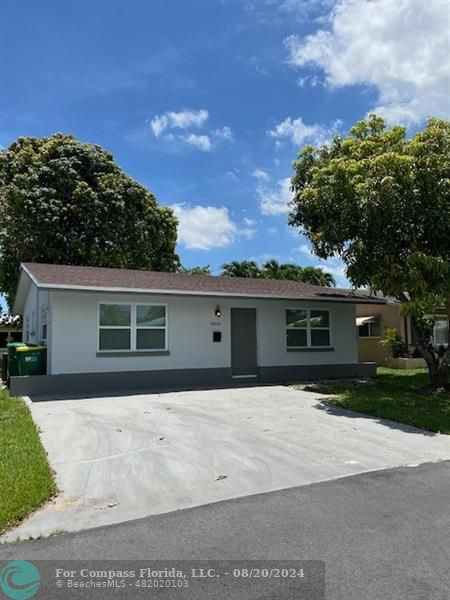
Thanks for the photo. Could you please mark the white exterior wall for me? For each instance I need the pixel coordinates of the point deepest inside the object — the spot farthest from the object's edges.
(191, 321)
(35, 302)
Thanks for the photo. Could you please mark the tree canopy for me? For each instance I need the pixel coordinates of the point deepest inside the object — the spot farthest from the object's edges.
(64, 201)
(381, 201)
(245, 268)
(205, 270)
(272, 269)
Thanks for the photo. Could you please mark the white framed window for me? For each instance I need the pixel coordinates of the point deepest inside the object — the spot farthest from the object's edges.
(44, 316)
(27, 328)
(370, 330)
(307, 328)
(440, 330)
(131, 327)
(151, 327)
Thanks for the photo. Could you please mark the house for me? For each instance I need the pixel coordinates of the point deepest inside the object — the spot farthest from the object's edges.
(371, 325)
(110, 329)
(10, 331)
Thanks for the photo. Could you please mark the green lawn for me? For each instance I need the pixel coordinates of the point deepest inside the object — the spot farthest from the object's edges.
(26, 480)
(397, 395)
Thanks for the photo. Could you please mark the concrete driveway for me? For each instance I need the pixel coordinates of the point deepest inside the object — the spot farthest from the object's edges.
(121, 458)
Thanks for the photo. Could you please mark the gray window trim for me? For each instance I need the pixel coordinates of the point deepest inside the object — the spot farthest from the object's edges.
(310, 349)
(122, 353)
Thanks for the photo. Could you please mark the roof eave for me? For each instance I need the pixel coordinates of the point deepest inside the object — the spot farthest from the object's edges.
(23, 286)
(125, 290)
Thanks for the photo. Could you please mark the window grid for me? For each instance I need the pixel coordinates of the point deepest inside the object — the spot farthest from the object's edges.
(370, 334)
(133, 327)
(440, 330)
(309, 328)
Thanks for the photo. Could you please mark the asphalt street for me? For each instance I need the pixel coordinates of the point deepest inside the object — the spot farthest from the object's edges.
(382, 536)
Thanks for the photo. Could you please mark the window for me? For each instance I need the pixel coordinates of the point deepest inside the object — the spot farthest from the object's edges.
(440, 331)
(150, 327)
(115, 327)
(371, 329)
(132, 327)
(307, 328)
(27, 328)
(44, 313)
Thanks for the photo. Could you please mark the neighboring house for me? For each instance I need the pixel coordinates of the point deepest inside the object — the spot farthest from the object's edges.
(118, 328)
(10, 331)
(372, 322)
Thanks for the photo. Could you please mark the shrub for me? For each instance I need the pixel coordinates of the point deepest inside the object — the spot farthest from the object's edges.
(395, 343)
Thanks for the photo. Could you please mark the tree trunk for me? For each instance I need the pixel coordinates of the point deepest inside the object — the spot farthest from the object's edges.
(435, 363)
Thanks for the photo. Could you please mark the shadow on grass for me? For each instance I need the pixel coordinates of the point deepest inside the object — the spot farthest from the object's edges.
(397, 399)
(325, 405)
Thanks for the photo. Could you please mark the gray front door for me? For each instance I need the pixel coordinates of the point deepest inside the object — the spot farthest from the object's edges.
(243, 342)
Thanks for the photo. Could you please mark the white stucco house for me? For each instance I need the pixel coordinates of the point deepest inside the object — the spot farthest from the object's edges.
(116, 329)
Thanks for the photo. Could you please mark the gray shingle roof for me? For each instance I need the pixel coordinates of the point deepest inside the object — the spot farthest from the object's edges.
(76, 277)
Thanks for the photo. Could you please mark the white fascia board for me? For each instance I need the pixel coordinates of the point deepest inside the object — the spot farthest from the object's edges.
(23, 285)
(165, 292)
(30, 275)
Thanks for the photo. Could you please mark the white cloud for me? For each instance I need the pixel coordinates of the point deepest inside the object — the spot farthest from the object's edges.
(401, 47)
(204, 227)
(308, 81)
(274, 200)
(299, 133)
(247, 232)
(185, 120)
(178, 120)
(260, 174)
(305, 250)
(337, 269)
(333, 265)
(256, 64)
(304, 9)
(224, 133)
(232, 175)
(202, 142)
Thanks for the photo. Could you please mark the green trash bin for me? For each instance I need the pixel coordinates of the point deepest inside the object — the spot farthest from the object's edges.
(31, 360)
(5, 366)
(13, 367)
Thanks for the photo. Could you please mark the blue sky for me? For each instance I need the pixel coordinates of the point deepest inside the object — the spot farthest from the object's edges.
(207, 102)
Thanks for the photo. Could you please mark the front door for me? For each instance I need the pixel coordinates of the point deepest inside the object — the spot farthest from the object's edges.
(243, 342)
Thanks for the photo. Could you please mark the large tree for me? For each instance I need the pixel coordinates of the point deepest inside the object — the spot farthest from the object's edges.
(64, 201)
(272, 269)
(381, 201)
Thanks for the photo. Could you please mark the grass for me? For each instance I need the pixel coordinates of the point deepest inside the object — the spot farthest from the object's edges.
(25, 475)
(398, 395)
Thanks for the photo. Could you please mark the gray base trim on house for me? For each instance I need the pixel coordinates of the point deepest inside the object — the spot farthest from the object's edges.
(116, 382)
(291, 374)
(122, 382)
